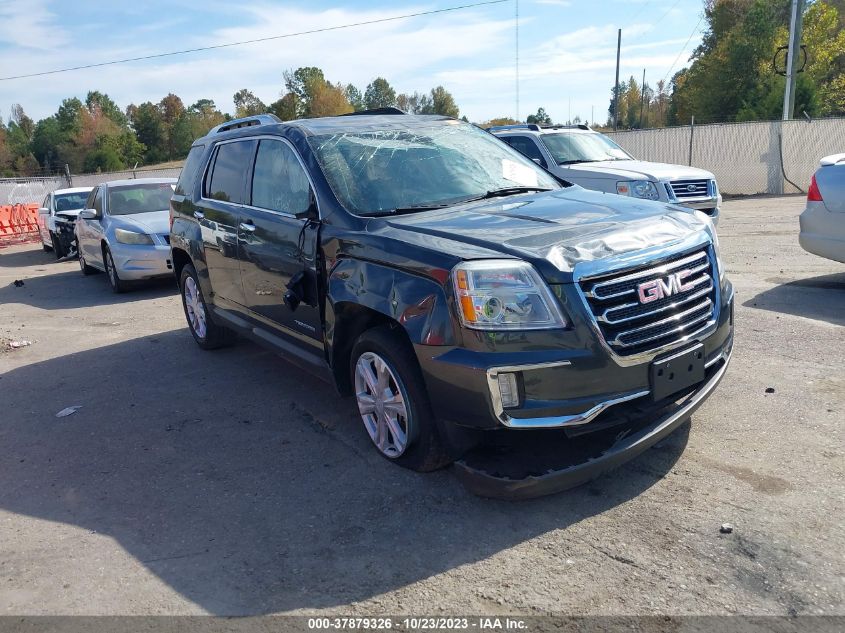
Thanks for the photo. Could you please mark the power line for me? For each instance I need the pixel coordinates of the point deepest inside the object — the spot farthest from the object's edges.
(680, 52)
(256, 41)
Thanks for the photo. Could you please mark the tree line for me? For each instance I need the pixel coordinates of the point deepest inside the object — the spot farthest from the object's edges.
(97, 135)
(733, 74)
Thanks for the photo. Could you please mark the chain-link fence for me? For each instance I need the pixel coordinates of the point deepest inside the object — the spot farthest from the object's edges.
(34, 190)
(747, 158)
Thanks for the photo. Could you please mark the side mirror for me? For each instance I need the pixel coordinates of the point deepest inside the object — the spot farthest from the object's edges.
(88, 214)
(43, 211)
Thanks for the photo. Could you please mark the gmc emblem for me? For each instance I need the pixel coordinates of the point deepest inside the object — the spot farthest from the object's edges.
(655, 289)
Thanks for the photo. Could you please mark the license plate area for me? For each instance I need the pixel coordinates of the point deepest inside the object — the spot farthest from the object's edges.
(677, 372)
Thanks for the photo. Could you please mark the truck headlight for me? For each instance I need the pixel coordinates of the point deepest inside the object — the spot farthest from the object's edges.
(638, 189)
(497, 294)
(131, 237)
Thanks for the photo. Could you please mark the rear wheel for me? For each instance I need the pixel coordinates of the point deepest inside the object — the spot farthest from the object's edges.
(85, 268)
(116, 283)
(206, 332)
(393, 402)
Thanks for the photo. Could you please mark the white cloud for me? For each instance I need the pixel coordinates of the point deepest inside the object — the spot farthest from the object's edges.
(30, 25)
(555, 3)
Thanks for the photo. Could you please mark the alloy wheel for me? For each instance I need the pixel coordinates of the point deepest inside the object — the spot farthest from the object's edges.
(194, 307)
(381, 403)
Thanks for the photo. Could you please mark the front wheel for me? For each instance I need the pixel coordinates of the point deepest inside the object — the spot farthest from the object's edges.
(206, 332)
(56, 245)
(116, 283)
(393, 402)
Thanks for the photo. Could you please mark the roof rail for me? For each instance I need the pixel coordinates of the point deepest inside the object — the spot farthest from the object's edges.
(574, 126)
(234, 124)
(387, 110)
(516, 126)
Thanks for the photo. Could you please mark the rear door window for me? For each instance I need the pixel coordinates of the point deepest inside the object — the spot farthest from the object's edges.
(227, 181)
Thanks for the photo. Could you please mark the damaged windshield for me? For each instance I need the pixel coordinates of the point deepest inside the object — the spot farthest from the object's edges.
(426, 166)
(579, 147)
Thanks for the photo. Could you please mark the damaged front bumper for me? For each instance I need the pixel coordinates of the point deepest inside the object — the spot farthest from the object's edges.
(541, 466)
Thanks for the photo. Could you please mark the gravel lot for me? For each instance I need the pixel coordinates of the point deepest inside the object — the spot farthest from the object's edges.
(232, 483)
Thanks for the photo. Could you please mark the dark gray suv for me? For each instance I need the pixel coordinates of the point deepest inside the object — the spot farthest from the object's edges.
(457, 290)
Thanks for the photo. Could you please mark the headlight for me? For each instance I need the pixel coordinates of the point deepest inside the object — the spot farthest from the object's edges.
(714, 237)
(504, 295)
(638, 189)
(131, 237)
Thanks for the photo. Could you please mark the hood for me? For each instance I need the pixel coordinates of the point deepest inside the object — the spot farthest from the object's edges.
(641, 170)
(154, 222)
(555, 231)
(68, 214)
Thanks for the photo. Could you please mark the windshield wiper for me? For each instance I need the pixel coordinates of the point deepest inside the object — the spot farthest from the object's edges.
(409, 209)
(509, 191)
(578, 160)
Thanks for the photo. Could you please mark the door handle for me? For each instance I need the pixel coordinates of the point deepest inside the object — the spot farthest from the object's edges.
(247, 226)
(199, 215)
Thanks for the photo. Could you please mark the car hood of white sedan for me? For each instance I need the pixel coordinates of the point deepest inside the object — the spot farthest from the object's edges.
(641, 170)
(154, 222)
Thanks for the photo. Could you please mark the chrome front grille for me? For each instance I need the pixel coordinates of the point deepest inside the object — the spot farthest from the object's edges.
(680, 300)
(690, 189)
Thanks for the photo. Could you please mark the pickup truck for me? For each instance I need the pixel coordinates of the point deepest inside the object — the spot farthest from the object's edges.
(450, 285)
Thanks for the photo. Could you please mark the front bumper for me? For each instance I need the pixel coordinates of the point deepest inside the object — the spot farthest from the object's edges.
(505, 475)
(134, 262)
(560, 387)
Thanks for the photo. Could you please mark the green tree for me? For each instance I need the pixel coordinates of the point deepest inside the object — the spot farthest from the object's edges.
(355, 98)
(541, 118)
(442, 102)
(287, 108)
(103, 159)
(379, 94)
(98, 100)
(149, 129)
(247, 104)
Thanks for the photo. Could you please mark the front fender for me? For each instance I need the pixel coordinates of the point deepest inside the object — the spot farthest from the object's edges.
(417, 303)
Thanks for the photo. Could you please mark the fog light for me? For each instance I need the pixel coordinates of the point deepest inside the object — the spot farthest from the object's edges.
(508, 390)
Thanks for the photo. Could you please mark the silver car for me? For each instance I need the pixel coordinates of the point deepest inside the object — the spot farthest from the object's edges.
(125, 230)
(823, 221)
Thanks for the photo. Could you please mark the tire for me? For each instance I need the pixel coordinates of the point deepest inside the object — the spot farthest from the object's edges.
(85, 268)
(208, 334)
(117, 285)
(56, 246)
(423, 448)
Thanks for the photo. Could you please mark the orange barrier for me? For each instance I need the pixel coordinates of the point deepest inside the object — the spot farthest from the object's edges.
(18, 223)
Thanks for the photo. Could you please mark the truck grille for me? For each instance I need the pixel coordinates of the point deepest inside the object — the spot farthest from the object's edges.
(690, 189)
(676, 307)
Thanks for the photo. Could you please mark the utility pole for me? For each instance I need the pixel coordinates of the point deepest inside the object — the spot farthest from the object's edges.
(642, 99)
(795, 26)
(616, 89)
(516, 30)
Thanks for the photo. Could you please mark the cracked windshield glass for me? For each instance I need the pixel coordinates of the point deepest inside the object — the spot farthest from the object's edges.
(405, 169)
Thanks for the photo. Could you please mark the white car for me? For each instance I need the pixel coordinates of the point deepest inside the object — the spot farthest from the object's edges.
(56, 217)
(823, 220)
(588, 158)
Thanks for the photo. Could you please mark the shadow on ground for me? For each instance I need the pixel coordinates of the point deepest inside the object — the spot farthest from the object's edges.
(249, 487)
(819, 298)
(64, 286)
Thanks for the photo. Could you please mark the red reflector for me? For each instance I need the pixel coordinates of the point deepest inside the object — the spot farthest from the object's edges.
(813, 193)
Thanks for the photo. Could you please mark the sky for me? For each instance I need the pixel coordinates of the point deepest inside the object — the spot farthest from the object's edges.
(567, 50)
